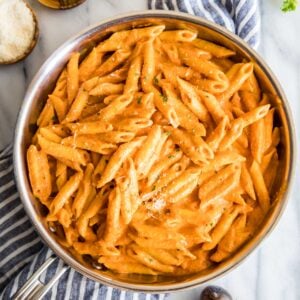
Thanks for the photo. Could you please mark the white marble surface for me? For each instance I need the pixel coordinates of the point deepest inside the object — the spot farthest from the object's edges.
(273, 271)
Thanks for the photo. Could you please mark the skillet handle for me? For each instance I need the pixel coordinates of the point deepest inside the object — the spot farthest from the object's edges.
(34, 289)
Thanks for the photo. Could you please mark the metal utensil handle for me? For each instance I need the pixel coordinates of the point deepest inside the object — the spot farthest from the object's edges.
(34, 289)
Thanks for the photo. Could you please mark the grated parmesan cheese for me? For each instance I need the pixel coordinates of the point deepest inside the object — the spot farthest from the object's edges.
(17, 29)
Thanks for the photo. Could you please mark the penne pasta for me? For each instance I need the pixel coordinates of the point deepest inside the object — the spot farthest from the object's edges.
(178, 36)
(72, 77)
(65, 193)
(39, 174)
(115, 162)
(62, 151)
(260, 186)
(77, 107)
(214, 49)
(159, 153)
(116, 59)
(220, 184)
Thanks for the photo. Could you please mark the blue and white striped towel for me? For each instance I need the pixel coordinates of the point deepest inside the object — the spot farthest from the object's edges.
(22, 251)
(241, 17)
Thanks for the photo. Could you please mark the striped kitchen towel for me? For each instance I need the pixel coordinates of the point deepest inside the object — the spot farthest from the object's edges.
(241, 17)
(21, 250)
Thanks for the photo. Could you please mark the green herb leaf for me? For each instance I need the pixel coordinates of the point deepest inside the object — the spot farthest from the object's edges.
(164, 98)
(154, 187)
(155, 80)
(139, 100)
(289, 5)
(171, 156)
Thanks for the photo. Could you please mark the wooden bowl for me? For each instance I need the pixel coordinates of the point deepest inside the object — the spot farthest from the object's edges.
(33, 42)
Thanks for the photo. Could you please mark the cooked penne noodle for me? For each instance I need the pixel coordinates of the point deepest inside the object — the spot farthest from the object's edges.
(233, 134)
(255, 115)
(218, 134)
(72, 77)
(268, 125)
(275, 137)
(184, 191)
(89, 127)
(169, 175)
(62, 151)
(271, 173)
(105, 89)
(184, 178)
(48, 134)
(84, 191)
(192, 100)
(208, 85)
(147, 150)
(166, 109)
(72, 165)
(260, 186)
(115, 107)
(213, 106)
(116, 59)
(132, 124)
(89, 65)
(39, 173)
(148, 70)
(133, 76)
(223, 158)
(112, 229)
(61, 174)
(188, 50)
(129, 37)
(155, 155)
(197, 153)
(47, 115)
(178, 36)
(60, 107)
(116, 137)
(170, 72)
(251, 85)
(91, 110)
(60, 89)
(172, 52)
(89, 142)
(77, 107)
(115, 162)
(207, 68)
(93, 208)
(214, 49)
(163, 165)
(249, 100)
(224, 63)
(234, 238)
(65, 193)
(220, 184)
(185, 117)
(222, 228)
(257, 140)
(246, 181)
(237, 75)
(149, 261)
(266, 159)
